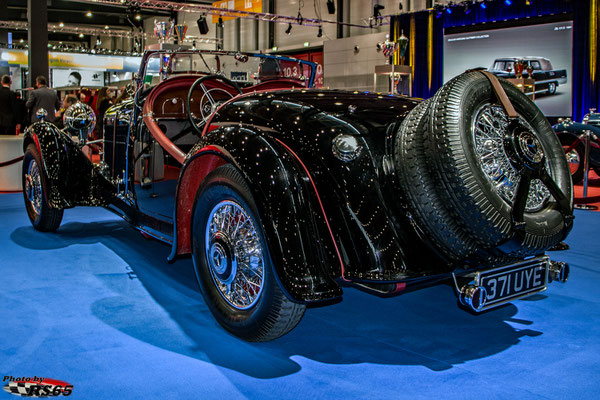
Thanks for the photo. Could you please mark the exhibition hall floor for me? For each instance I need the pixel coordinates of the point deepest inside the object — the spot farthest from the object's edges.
(98, 306)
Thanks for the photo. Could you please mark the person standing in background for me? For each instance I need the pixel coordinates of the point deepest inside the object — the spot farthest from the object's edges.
(9, 108)
(43, 97)
(102, 103)
(68, 101)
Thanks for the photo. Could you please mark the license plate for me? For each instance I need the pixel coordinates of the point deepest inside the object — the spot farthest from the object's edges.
(514, 281)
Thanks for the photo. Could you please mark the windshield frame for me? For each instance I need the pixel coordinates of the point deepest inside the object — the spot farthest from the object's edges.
(153, 53)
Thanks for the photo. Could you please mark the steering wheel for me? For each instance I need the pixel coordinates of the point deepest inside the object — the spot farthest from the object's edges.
(210, 100)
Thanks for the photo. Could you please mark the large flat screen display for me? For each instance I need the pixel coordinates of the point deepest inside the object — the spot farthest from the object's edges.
(544, 49)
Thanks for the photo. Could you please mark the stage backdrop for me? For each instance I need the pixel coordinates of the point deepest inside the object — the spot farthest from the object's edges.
(425, 30)
(552, 41)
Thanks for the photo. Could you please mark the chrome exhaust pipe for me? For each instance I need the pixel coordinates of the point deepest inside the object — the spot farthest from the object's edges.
(473, 297)
(558, 271)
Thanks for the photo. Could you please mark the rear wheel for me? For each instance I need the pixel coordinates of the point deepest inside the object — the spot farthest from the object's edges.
(232, 262)
(35, 192)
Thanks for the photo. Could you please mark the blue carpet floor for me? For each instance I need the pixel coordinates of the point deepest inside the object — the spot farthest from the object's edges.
(98, 306)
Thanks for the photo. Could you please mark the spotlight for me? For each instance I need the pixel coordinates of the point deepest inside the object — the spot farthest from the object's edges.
(483, 5)
(106, 27)
(330, 7)
(508, 2)
(527, 2)
(449, 10)
(202, 24)
(138, 17)
(88, 14)
(377, 10)
(81, 35)
(289, 29)
(62, 24)
(320, 34)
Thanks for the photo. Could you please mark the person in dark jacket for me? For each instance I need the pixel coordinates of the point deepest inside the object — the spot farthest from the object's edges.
(9, 108)
(43, 97)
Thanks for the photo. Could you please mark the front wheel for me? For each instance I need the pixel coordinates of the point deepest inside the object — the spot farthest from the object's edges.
(232, 262)
(551, 88)
(35, 192)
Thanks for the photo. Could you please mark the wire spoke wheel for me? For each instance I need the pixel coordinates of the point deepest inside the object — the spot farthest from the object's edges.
(33, 187)
(234, 254)
(489, 132)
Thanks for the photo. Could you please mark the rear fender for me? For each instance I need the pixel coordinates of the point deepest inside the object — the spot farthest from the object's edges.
(300, 244)
(73, 179)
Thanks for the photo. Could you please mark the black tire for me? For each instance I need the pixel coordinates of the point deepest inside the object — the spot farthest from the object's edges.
(552, 88)
(43, 217)
(465, 188)
(272, 314)
(414, 176)
(575, 158)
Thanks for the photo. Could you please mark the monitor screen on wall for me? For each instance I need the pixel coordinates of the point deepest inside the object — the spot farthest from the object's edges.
(545, 48)
(76, 77)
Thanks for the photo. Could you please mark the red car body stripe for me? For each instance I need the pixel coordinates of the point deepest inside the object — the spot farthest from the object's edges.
(343, 270)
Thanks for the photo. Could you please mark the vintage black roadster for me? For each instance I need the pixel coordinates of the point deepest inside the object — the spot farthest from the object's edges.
(284, 194)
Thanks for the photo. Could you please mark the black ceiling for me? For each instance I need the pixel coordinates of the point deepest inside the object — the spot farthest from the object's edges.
(74, 13)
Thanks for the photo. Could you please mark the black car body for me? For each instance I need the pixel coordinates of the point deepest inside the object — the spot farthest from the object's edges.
(285, 194)
(573, 136)
(547, 79)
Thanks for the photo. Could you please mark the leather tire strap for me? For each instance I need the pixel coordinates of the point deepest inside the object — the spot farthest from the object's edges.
(501, 94)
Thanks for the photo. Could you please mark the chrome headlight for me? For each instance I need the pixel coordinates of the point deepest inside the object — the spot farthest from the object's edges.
(80, 119)
(346, 147)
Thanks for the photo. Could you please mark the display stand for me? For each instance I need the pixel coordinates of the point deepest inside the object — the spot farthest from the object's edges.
(391, 71)
(526, 85)
(586, 171)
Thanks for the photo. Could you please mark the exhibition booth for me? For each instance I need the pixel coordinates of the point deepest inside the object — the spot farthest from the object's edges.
(408, 212)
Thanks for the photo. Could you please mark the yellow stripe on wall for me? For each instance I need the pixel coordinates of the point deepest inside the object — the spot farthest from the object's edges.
(412, 45)
(593, 39)
(430, 48)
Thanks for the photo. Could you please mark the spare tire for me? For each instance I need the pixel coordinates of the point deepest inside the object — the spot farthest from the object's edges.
(438, 225)
(478, 158)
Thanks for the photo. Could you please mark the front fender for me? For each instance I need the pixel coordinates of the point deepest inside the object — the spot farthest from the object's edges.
(72, 178)
(301, 246)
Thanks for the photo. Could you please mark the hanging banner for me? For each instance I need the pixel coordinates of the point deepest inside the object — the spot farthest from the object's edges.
(242, 5)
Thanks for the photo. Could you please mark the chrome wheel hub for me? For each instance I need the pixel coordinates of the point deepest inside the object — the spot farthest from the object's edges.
(33, 187)
(573, 160)
(504, 148)
(234, 254)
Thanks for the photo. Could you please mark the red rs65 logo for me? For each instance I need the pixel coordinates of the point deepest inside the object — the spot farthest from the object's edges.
(36, 387)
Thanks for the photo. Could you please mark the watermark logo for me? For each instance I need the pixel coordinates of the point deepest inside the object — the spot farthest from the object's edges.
(36, 386)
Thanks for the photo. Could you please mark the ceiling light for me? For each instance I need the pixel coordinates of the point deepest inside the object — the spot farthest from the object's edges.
(289, 29)
(138, 16)
(62, 24)
(88, 14)
(21, 41)
(107, 27)
(483, 5)
(508, 2)
(81, 35)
